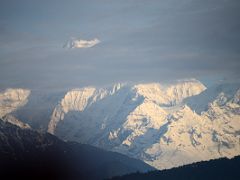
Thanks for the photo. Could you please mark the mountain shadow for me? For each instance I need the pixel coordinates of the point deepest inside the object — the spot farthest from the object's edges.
(27, 154)
(221, 169)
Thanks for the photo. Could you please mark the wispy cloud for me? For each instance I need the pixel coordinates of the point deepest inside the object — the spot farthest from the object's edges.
(80, 43)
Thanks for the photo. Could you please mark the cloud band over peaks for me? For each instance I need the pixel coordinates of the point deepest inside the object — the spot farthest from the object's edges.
(80, 43)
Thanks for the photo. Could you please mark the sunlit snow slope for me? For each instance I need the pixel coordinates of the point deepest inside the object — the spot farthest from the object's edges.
(12, 99)
(157, 123)
(165, 125)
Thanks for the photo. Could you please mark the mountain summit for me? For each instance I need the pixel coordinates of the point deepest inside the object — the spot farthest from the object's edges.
(165, 125)
(80, 43)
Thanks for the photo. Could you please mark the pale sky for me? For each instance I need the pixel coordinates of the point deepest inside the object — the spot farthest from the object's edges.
(64, 44)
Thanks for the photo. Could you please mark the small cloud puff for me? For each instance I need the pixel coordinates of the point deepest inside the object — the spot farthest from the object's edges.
(79, 43)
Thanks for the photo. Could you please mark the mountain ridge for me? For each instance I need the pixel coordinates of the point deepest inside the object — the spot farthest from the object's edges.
(157, 123)
(224, 169)
(25, 153)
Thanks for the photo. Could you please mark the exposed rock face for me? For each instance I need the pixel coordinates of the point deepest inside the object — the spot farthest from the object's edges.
(11, 119)
(11, 99)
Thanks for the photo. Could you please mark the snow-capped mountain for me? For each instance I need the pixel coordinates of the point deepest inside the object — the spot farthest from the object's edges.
(12, 99)
(165, 125)
(80, 43)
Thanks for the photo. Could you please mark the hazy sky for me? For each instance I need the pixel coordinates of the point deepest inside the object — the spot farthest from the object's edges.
(126, 40)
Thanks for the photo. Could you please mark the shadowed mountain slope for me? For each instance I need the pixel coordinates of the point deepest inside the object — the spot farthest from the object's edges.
(221, 169)
(25, 153)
